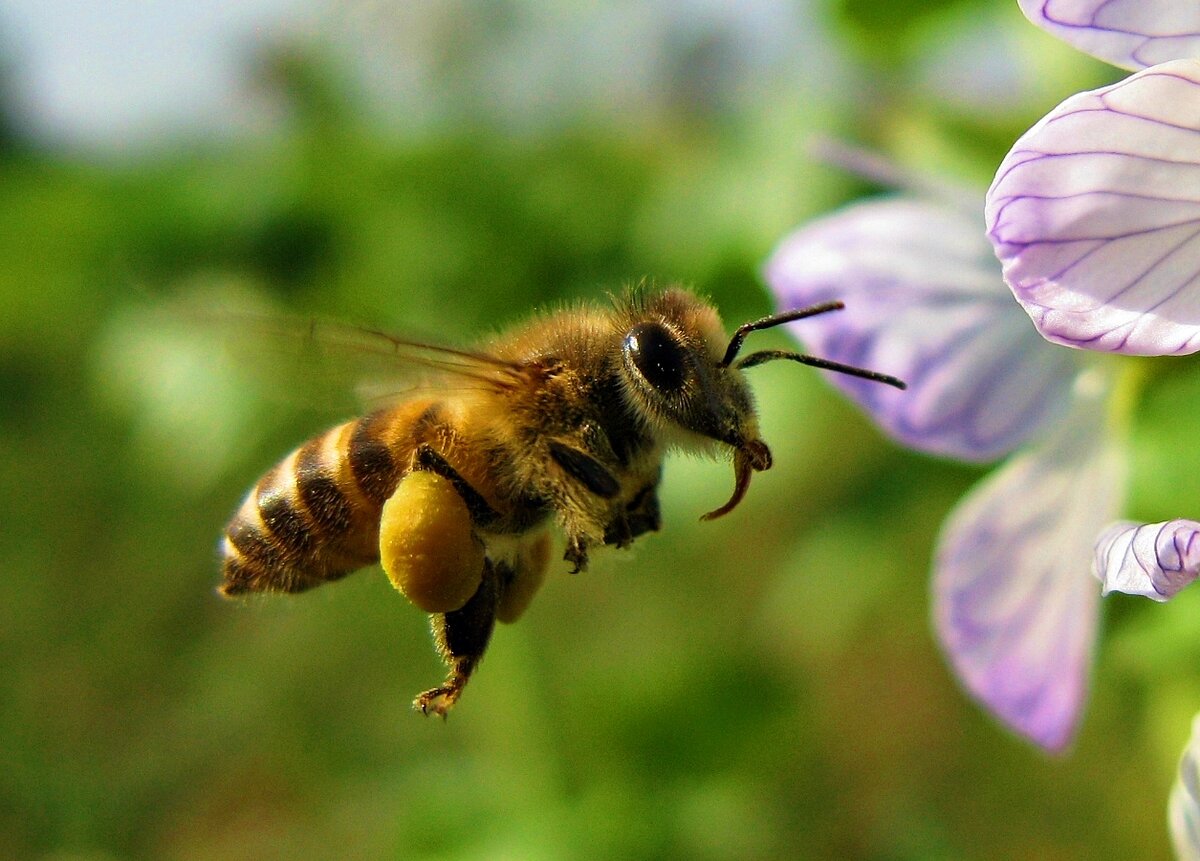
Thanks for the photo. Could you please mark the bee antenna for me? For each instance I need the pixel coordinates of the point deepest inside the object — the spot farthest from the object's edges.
(850, 370)
(735, 343)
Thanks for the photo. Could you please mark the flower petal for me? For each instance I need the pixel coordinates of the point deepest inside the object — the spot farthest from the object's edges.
(1014, 606)
(1132, 34)
(924, 302)
(1095, 214)
(1154, 560)
(1183, 808)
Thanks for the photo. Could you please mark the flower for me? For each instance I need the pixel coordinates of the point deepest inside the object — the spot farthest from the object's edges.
(926, 303)
(1095, 216)
(1014, 603)
(1015, 607)
(1132, 34)
(1154, 560)
(1094, 213)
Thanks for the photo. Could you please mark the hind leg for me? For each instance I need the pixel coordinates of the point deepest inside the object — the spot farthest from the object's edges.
(428, 548)
(461, 637)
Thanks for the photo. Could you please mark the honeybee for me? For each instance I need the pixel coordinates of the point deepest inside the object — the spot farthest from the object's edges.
(562, 421)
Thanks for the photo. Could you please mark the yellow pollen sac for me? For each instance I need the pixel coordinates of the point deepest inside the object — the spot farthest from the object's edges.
(426, 546)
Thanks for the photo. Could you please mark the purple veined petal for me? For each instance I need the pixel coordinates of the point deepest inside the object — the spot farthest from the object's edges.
(1015, 606)
(1154, 560)
(925, 302)
(1132, 34)
(1095, 216)
(1183, 808)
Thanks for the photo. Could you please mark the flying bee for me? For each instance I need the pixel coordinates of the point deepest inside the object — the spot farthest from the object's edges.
(561, 421)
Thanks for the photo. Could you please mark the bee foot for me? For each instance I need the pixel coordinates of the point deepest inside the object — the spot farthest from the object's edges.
(577, 555)
(438, 701)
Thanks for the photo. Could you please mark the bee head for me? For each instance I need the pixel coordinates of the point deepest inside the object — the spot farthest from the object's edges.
(683, 374)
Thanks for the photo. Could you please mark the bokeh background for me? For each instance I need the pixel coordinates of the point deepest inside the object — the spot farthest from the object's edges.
(764, 686)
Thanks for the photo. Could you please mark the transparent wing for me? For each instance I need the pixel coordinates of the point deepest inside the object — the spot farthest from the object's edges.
(327, 363)
(379, 364)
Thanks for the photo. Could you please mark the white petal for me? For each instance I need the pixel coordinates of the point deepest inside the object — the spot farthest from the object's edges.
(1154, 560)
(1132, 34)
(1095, 215)
(925, 301)
(1183, 808)
(1015, 607)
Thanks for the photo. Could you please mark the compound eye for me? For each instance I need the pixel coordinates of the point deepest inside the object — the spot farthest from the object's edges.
(656, 356)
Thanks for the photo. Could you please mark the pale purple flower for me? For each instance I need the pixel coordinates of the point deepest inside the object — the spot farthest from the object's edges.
(1154, 560)
(1183, 809)
(1015, 606)
(1095, 212)
(1095, 215)
(1132, 34)
(925, 303)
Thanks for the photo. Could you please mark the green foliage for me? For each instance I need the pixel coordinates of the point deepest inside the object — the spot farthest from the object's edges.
(764, 686)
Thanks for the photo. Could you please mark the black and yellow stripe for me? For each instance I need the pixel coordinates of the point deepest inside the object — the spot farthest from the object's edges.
(315, 516)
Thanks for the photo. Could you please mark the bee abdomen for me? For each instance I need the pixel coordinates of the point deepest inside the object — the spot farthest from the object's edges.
(315, 516)
(369, 455)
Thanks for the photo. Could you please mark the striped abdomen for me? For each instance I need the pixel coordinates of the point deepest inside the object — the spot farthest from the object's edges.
(315, 516)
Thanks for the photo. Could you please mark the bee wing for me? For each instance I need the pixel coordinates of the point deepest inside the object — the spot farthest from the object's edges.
(322, 361)
(386, 366)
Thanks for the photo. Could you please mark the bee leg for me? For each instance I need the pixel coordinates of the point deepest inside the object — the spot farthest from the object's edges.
(640, 515)
(585, 469)
(619, 531)
(461, 637)
(643, 512)
(593, 476)
(482, 514)
(576, 553)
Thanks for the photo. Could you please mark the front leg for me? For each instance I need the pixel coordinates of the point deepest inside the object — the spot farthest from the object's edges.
(576, 553)
(600, 484)
(639, 516)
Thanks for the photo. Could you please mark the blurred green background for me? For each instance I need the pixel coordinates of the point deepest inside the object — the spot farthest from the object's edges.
(764, 686)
